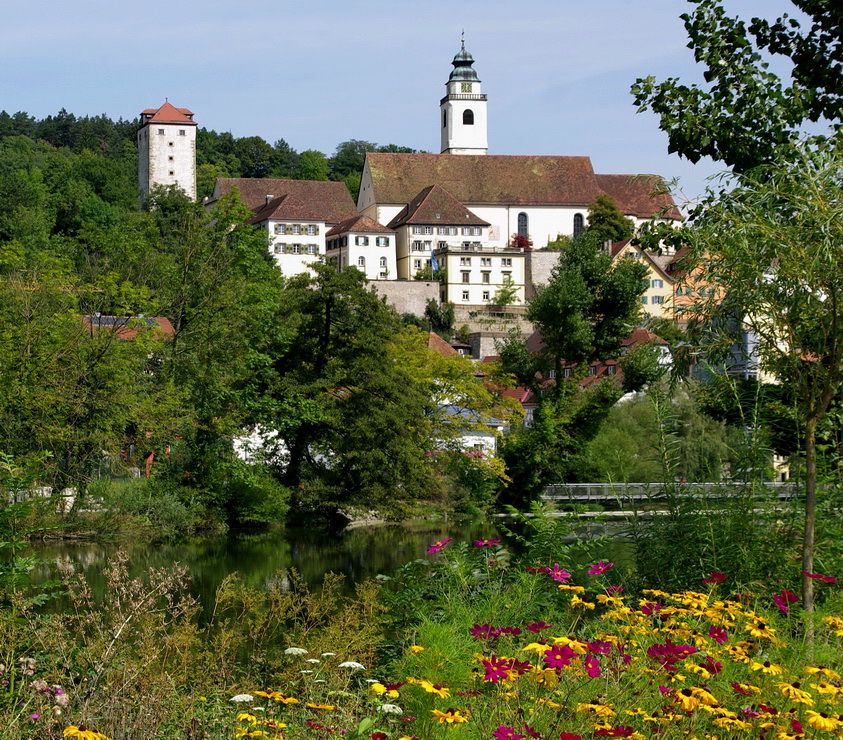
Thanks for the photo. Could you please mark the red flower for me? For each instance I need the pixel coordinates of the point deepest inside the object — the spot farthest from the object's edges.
(784, 599)
(718, 634)
(538, 626)
(818, 577)
(559, 656)
(618, 731)
(507, 733)
(569, 736)
(715, 577)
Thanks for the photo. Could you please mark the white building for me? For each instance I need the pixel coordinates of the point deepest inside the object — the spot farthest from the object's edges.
(463, 110)
(167, 149)
(365, 244)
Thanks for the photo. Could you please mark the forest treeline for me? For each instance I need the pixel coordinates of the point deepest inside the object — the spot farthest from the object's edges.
(217, 154)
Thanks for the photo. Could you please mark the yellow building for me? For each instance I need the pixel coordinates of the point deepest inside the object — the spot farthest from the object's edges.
(657, 299)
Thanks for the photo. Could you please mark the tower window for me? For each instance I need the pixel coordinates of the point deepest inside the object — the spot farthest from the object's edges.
(523, 224)
(578, 224)
(160, 131)
(361, 262)
(181, 132)
(444, 119)
(468, 117)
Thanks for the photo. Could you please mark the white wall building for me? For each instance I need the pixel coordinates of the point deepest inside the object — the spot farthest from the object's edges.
(463, 110)
(365, 244)
(167, 149)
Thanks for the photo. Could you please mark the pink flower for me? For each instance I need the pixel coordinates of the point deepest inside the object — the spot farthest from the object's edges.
(784, 599)
(818, 577)
(569, 736)
(612, 590)
(531, 731)
(538, 626)
(592, 666)
(533, 569)
(715, 577)
(718, 634)
(486, 543)
(648, 608)
(617, 731)
(559, 574)
(559, 656)
(507, 733)
(599, 568)
(485, 632)
(438, 545)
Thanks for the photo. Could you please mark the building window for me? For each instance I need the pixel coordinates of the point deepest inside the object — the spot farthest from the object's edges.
(361, 241)
(417, 229)
(612, 369)
(443, 245)
(644, 300)
(476, 231)
(485, 262)
(657, 283)
(160, 131)
(296, 229)
(465, 260)
(466, 231)
(442, 230)
(311, 229)
(296, 248)
(465, 295)
(169, 143)
(311, 249)
(172, 172)
(468, 117)
(428, 246)
(428, 229)
(506, 275)
(279, 229)
(382, 276)
(592, 370)
(361, 262)
(551, 374)
(280, 249)
(417, 264)
(566, 373)
(506, 261)
(171, 159)
(383, 262)
(466, 276)
(444, 119)
(485, 295)
(486, 278)
(417, 246)
(454, 231)
(579, 224)
(381, 241)
(181, 132)
(657, 300)
(523, 224)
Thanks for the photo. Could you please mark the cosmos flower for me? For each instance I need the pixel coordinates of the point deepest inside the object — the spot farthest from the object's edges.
(819, 577)
(507, 733)
(784, 599)
(438, 545)
(486, 543)
(599, 568)
(715, 577)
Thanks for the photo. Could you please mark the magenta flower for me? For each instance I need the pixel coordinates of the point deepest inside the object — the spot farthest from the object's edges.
(599, 568)
(498, 669)
(617, 731)
(559, 656)
(514, 631)
(34, 716)
(507, 733)
(784, 599)
(534, 569)
(378, 736)
(485, 632)
(711, 665)
(648, 608)
(612, 590)
(559, 574)
(715, 577)
(664, 689)
(538, 626)
(668, 654)
(438, 545)
(486, 543)
(569, 736)
(531, 731)
(718, 634)
(740, 689)
(592, 666)
(818, 577)
(598, 646)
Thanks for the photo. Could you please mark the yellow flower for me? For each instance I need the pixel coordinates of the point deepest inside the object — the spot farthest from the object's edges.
(83, 733)
(577, 601)
(728, 722)
(634, 735)
(601, 710)
(277, 696)
(246, 717)
(452, 716)
(795, 692)
(379, 688)
(761, 629)
(578, 647)
(706, 697)
(613, 600)
(244, 732)
(827, 672)
(415, 648)
(537, 647)
(766, 667)
(687, 700)
(821, 721)
(315, 705)
(826, 688)
(438, 689)
(836, 623)
(575, 589)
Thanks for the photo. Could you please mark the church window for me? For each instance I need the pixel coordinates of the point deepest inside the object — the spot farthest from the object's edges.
(468, 117)
(383, 261)
(523, 224)
(361, 262)
(579, 224)
(444, 119)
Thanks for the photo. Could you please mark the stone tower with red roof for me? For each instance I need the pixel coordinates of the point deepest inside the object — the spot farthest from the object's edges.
(167, 149)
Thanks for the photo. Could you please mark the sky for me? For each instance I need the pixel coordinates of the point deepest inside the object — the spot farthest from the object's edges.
(318, 72)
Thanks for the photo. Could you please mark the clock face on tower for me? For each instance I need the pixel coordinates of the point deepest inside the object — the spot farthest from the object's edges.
(466, 87)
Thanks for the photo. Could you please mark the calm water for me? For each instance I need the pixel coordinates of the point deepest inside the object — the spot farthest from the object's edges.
(357, 553)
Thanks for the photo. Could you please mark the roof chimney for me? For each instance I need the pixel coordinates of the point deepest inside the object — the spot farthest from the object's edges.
(268, 198)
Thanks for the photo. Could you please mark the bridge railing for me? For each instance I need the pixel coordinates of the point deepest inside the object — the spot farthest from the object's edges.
(603, 493)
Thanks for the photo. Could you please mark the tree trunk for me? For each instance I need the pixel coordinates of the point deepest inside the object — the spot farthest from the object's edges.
(810, 513)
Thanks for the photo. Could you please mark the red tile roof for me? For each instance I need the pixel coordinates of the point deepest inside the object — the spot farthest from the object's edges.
(168, 113)
(332, 199)
(435, 205)
(362, 224)
(287, 208)
(437, 344)
(642, 196)
(128, 327)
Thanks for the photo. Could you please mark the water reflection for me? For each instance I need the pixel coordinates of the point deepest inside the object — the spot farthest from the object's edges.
(358, 553)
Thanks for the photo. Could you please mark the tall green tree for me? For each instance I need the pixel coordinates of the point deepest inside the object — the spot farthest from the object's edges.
(606, 222)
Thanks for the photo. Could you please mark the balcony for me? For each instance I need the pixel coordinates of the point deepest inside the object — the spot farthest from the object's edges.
(456, 96)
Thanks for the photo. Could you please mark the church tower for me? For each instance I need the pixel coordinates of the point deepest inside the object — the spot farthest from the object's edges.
(463, 110)
(167, 149)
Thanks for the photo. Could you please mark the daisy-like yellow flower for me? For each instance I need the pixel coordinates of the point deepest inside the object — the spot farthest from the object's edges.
(761, 629)
(821, 721)
(686, 699)
(451, 716)
(536, 647)
(83, 733)
(577, 601)
(316, 705)
(613, 600)
(580, 648)
(836, 623)
(601, 710)
(575, 589)
(748, 687)
(441, 691)
(795, 692)
(246, 732)
(730, 723)
(705, 696)
(829, 689)
(543, 676)
(766, 667)
(246, 717)
(827, 672)
(277, 696)
(415, 648)
(379, 688)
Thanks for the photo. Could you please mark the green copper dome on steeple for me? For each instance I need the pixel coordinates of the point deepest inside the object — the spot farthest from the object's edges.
(463, 71)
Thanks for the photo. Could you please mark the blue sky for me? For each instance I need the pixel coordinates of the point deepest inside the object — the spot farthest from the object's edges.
(318, 72)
